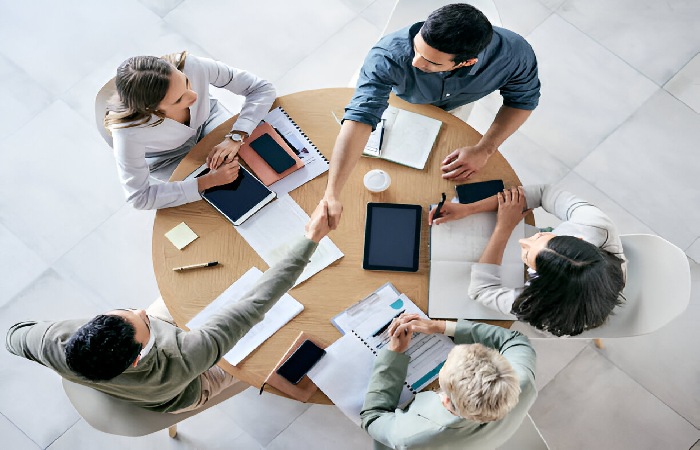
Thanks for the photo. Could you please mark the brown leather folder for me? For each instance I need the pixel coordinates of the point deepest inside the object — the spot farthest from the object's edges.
(301, 391)
(262, 169)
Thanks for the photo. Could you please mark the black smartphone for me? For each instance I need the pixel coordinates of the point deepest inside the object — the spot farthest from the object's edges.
(473, 192)
(301, 361)
(272, 153)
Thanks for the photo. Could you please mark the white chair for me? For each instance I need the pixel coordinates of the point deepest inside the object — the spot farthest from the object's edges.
(657, 290)
(103, 95)
(528, 437)
(113, 416)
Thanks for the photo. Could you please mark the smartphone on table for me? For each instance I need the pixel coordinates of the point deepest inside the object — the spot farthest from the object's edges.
(300, 362)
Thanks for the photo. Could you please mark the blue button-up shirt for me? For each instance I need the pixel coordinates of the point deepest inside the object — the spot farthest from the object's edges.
(508, 63)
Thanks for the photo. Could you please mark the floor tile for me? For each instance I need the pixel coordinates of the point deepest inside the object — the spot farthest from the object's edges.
(26, 384)
(586, 94)
(73, 37)
(650, 164)
(337, 432)
(655, 359)
(357, 5)
(694, 251)
(326, 66)
(18, 264)
(12, 437)
(378, 13)
(210, 429)
(552, 4)
(290, 33)
(593, 404)
(262, 416)
(636, 29)
(696, 446)
(22, 98)
(685, 85)
(161, 7)
(553, 355)
(532, 163)
(73, 186)
(522, 16)
(123, 278)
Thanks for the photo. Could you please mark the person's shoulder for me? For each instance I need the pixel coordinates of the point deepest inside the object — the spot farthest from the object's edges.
(396, 45)
(513, 41)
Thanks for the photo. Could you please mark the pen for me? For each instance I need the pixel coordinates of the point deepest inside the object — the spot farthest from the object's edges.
(439, 206)
(381, 139)
(196, 266)
(385, 326)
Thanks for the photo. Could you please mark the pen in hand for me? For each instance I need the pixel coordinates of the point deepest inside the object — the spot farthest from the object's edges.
(196, 266)
(439, 206)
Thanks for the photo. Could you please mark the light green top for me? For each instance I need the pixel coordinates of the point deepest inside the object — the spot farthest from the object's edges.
(167, 379)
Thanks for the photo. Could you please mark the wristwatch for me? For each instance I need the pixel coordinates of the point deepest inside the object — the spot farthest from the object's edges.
(237, 136)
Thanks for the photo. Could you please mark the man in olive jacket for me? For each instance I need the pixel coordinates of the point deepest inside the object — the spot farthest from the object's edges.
(150, 362)
(487, 386)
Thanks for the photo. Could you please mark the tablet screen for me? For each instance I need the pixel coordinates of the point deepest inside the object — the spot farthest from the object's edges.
(392, 237)
(240, 198)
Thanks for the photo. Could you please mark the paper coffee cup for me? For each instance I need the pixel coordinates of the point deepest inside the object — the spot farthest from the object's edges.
(377, 180)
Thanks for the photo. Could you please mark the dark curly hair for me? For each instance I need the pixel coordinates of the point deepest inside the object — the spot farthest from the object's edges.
(102, 348)
(458, 29)
(576, 288)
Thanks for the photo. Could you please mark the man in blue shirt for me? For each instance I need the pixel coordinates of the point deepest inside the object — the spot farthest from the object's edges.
(453, 58)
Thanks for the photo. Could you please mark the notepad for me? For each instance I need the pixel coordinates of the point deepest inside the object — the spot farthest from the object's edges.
(279, 315)
(408, 137)
(181, 235)
(454, 248)
(344, 373)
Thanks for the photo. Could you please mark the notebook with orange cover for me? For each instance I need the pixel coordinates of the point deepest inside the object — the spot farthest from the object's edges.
(301, 391)
(257, 164)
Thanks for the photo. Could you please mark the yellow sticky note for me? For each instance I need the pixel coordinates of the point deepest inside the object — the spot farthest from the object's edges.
(181, 235)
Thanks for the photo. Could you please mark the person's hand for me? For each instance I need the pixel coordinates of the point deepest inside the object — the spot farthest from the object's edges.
(449, 211)
(425, 326)
(335, 209)
(318, 226)
(224, 174)
(512, 208)
(400, 334)
(223, 152)
(465, 162)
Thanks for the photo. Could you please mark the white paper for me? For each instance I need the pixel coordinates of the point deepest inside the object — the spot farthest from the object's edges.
(274, 229)
(454, 248)
(363, 310)
(314, 163)
(284, 310)
(344, 374)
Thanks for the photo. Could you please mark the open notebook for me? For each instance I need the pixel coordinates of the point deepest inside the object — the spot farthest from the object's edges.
(454, 248)
(407, 137)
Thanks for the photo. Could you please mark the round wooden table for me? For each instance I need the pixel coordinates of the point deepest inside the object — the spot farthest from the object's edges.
(343, 283)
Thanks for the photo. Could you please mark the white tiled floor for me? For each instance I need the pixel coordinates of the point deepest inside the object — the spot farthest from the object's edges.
(618, 123)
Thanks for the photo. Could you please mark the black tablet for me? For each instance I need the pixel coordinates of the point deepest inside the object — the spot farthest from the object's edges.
(392, 237)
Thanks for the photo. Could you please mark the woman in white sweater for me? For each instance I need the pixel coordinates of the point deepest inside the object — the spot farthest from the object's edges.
(577, 271)
(162, 108)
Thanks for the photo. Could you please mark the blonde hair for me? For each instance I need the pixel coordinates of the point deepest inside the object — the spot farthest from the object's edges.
(142, 82)
(480, 383)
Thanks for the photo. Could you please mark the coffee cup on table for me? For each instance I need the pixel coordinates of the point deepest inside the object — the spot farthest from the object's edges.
(377, 180)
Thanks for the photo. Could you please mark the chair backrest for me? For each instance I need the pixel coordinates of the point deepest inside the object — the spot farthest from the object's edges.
(111, 415)
(103, 95)
(657, 290)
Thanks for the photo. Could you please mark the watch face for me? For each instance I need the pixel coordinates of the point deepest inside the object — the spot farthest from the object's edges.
(236, 137)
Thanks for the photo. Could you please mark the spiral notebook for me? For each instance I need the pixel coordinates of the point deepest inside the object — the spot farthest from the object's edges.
(344, 373)
(314, 162)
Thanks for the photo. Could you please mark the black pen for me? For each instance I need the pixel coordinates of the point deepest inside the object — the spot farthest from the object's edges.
(381, 139)
(439, 206)
(385, 326)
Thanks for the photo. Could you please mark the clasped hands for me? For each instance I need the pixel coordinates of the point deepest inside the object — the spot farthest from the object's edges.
(223, 162)
(402, 328)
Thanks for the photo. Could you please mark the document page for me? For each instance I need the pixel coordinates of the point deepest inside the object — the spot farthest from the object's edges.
(408, 137)
(284, 310)
(274, 229)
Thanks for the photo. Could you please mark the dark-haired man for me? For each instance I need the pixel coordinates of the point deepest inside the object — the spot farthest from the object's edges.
(150, 362)
(452, 59)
